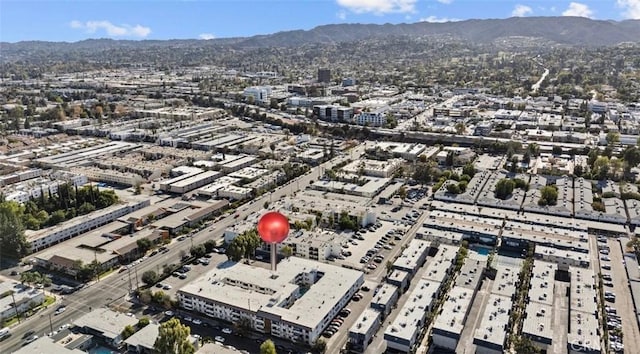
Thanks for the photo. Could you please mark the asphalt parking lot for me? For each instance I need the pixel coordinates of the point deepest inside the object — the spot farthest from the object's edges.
(370, 237)
(623, 302)
(196, 270)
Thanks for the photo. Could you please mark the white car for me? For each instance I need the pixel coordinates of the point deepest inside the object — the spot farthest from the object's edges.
(31, 339)
(219, 339)
(197, 321)
(168, 313)
(188, 319)
(227, 331)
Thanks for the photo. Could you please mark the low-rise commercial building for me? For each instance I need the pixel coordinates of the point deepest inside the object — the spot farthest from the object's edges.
(105, 324)
(16, 298)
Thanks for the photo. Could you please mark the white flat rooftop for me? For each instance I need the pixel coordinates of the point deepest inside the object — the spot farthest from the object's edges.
(255, 290)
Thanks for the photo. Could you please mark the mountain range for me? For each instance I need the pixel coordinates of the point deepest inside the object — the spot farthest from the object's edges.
(571, 31)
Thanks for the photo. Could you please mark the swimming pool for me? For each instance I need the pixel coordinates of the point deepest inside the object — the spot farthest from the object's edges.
(481, 250)
(101, 350)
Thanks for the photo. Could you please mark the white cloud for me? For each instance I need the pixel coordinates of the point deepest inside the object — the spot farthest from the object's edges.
(578, 9)
(206, 36)
(379, 7)
(446, 2)
(631, 7)
(342, 15)
(521, 10)
(434, 19)
(112, 30)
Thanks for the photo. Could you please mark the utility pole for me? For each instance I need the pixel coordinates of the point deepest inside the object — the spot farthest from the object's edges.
(95, 263)
(15, 306)
(137, 283)
(129, 273)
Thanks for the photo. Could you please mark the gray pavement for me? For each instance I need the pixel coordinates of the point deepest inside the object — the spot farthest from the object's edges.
(560, 317)
(624, 302)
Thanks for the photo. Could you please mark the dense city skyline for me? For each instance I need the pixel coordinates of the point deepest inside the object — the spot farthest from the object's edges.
(79, 20)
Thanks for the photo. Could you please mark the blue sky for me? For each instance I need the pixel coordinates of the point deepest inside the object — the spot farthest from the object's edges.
(74, 20)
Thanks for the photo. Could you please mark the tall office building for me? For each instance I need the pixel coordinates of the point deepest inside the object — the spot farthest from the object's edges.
(324, 75)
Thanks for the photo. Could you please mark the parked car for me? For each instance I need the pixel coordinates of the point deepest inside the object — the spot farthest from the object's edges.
(219, 339)
(227, 330)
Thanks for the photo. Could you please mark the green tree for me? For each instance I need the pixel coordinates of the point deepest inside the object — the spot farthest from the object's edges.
(143, 322)
(86, 208)
(30, 278)
(235, 250)
(450, 159)
(127, 332)
(173, 337)
(469, 170)
(613, 138)
(268, 347)
(504, 188)
(57, 217)
(209, 245)
(557, 150)
(549, 195)
(198, 250)
(149, 277)
(402, 192)
(453, 188)
(524, 345)
(578, 170)
(533, 149)
(286, 251)
(389, 266)
(145, 296)
(13, 243)
(601, 167)
(345, 222)
(632, 156)
(144, 244)
(319, 346)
